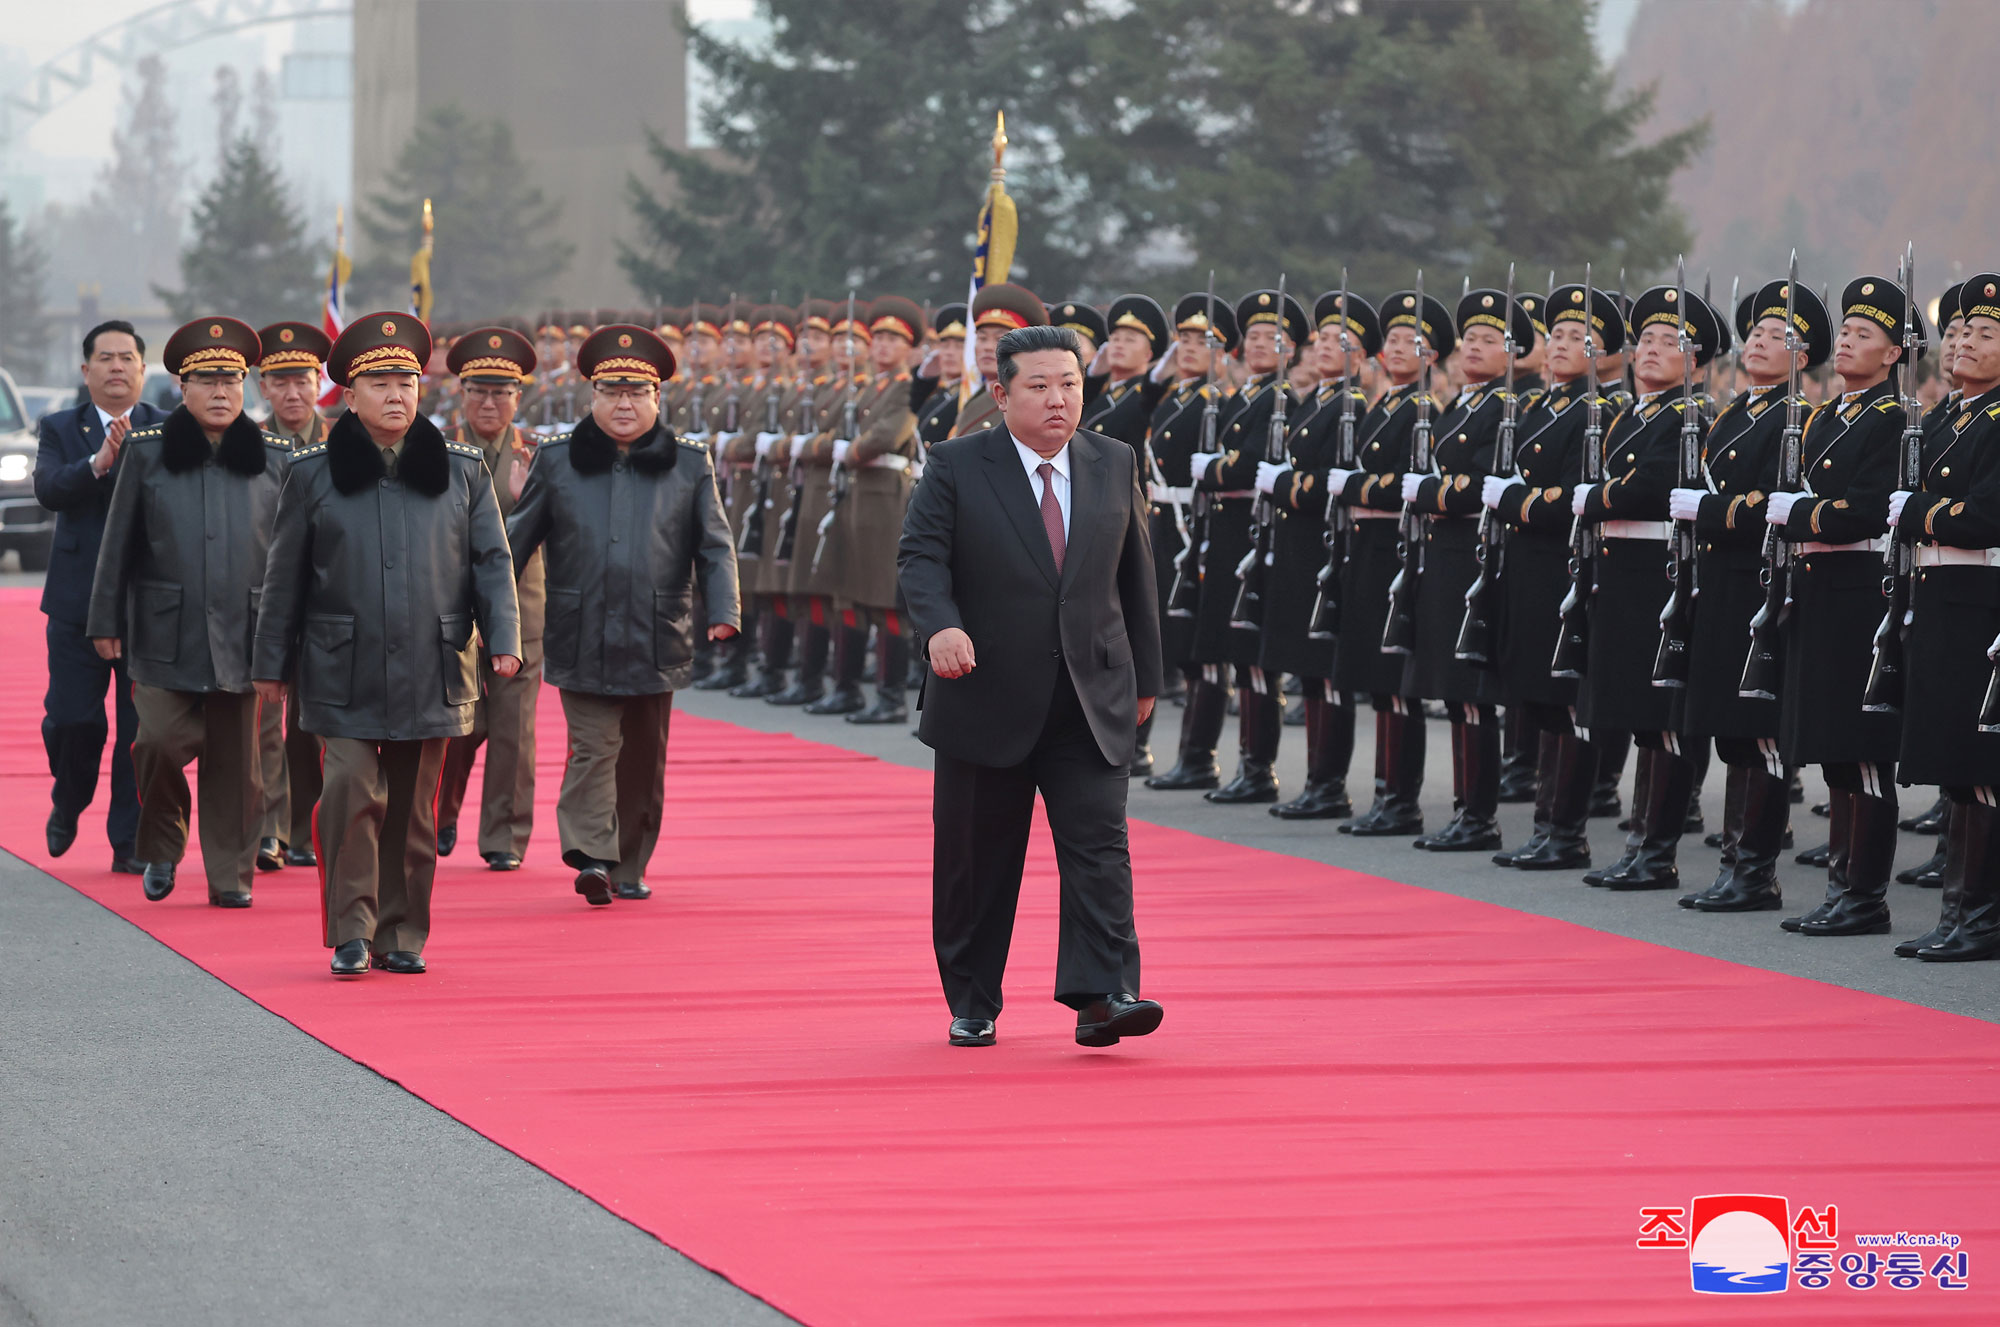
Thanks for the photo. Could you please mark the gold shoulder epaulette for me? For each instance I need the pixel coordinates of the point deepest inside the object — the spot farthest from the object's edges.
(273, 440)
(150, 431)
(304, 453)
(691, 446)
(463, 450)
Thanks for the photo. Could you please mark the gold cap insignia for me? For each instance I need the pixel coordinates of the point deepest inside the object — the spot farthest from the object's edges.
(287, 335)
(1576, 297)
(1409, 301)
(1673, 296)
(624, 340)
(1263, 299)
(1784, 292)
(1990, 289)
(388, 327)
(1486, 302)
(1868, 287)
(493, 343)
(215, 329)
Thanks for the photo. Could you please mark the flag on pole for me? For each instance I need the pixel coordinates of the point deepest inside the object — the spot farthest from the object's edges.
(993, 250)
(331, 319)
(420, 272)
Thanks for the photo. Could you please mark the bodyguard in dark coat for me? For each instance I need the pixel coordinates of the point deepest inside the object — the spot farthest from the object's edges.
(1373, 495)
(630, 519)
(76, 462)
(178, 579)
(389, 555)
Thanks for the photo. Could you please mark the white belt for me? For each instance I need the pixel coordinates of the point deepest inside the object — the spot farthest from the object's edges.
(1936, 555)
(1373, 514)
(1236, 493)
(1865, 546)
(889, 463)
(1659, 530)
(1159, 492)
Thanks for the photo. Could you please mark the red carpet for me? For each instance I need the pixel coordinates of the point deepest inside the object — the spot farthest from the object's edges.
(1370, 1102)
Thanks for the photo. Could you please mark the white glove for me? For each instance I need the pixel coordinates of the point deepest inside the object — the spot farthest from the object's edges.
(799, 440)
(724, 439)
(1897, 501)
(1492, 489)
(764, 443)
(700, 436)
(1198, 463)
(1336, 480)
(1267, 475)
(840, 448)
(1411, 483)
(1581, 498)
(1684, 504)
(1779, 509)
(1164, 369)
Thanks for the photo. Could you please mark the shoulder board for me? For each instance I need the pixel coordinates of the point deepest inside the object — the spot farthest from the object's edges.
(691, 446)
(1681, 406)
(1886, 404)
(273, 440)
(150, 431)
(305, 453)
(553, 438)
(464, 450)
(1993, 411)
(904, 376)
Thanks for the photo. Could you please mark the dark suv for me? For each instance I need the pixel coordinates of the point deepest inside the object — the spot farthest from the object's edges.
(25, 526)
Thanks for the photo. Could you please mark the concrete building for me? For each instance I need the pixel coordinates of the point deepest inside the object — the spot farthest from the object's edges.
(580, 82)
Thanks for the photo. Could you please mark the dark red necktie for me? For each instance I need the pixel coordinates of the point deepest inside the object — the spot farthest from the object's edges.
(1051, 511)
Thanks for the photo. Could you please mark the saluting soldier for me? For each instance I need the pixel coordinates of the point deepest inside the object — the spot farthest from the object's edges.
(1630, 508)
(175, 595)
(389, 554)
(289, 376)
(934, 395)
(1229, 478)
(1120, 396)
(1172, 441)
(1954, 521)
(492, 363)
(631, 518)
(1372, 492)
(997, 309)
(1535, 504)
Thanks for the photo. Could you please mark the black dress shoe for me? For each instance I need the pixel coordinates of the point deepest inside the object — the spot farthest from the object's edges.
(594, 883)
(632, 889)
(1605, 802)
(270, 855)
(766, 683)
(351, 959)
(1186, 777)
(1465, 834)
(1928, 874)
(1103, 1022)
(124, 863)
(800, 692)
(1554, 855)
(401, 962)
(882, 711)
(972, 1032)
(1815, 856)
(1388, 824)
(1319, 801)
(301, 856)
(159, 880)
(447, 839)
(503, 861)
(843, 699)
(61, 831)
(235, 898)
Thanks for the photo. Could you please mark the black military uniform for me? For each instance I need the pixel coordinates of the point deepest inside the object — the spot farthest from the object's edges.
(1299, 563)
(934, 400)
(1373, 495)
(1229, 533)
(1173, 438)
(1535, 578)
(1124, 409)
(1085, 321)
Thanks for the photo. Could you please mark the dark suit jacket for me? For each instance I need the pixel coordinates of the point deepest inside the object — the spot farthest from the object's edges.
(63, 483)
(974, 556)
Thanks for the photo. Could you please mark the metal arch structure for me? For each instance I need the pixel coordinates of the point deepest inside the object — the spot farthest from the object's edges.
(162, 28)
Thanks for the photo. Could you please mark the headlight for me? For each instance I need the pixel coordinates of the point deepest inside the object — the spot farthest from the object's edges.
(14, 467)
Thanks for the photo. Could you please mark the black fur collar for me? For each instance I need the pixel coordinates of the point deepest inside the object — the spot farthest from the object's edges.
(592, 450)
(356, 462)
(184, 447)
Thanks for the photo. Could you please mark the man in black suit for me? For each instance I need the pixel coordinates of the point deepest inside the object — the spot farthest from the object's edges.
(1028, 572)
(76, 465)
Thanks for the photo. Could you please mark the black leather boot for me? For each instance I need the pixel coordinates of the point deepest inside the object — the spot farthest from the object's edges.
(1260, 723)
(1930, 821)
(1329, 749)
(891, 670)
(1928, 874)
(1752, 883)
(1520, 757)
(1840, 819)
(1977, 935)
(1663, 816)
(1699, 759)
(1642, 781)
(775, 660)
(1399, 778)
(850, 661)
(1957, 832)
(1612, 753)
(1201, 728)
(1574, 775)
(1475, 827)
(1862, 907)
(1734, 779)
(810, 684)
(1545, 792)
(732, 667)
(1634, 827)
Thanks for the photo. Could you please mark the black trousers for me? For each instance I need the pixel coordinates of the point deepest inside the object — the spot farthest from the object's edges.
(74, 729)
(980, 817)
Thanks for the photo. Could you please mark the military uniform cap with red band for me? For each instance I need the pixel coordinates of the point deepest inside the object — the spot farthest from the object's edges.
(379, 343)
(1007, 306)
(292, 347)
(625, 353)
(775, 320)
(492, 354)
(211, 345)
(899, 315)
(819, 315)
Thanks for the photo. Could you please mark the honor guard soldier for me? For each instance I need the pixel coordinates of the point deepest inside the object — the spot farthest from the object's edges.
(1519, 748)
(1948, 739)
(1741, 462)
(389, 555)
(1629, 507)
(294, 355)
(1535, 503)
(934, 396)
(1346, 334)
(667, 325)
(1173, 439)
(1372, 493)
(1120, 396)
(1848, 461)
(631, 519)
(176, 596)
(1086, 322)
(997, 309)
(1449, 499)
(1229, 478)
(492, 364)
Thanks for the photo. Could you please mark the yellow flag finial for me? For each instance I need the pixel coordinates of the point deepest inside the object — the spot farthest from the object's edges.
(999, 137)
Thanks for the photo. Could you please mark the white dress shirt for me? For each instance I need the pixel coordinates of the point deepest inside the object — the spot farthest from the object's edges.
(1032, 462)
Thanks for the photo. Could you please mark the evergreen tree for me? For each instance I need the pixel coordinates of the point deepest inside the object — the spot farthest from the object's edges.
(498, 247)
(24, 329)
(248, 257)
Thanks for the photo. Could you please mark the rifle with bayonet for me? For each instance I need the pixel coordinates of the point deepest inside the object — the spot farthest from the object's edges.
(1670, 665)
(1185, 594)
(750, 546)
(841, 481)
(732, 404)
(1247, 613)
(1476, 634)
(1573, 635)
(1325, 621)
(1399, 632)
(795, 472)
(1884, 692)
(1765, 666)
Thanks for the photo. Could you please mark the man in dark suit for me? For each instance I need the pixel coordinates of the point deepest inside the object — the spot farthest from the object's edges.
(1028, 572)
(76, 465)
